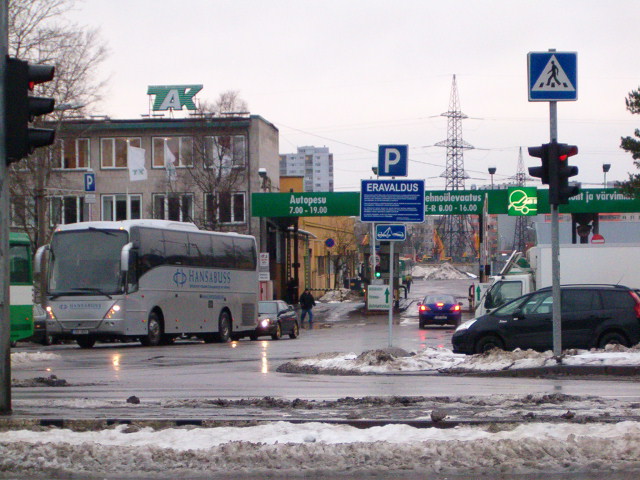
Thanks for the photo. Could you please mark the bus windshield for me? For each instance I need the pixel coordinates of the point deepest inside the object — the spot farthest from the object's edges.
(86, 262)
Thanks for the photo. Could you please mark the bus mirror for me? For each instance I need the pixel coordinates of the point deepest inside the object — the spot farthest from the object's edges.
(124, 257)
(38, 258)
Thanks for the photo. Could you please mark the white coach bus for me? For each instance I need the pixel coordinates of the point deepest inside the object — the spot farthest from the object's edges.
(151, 280)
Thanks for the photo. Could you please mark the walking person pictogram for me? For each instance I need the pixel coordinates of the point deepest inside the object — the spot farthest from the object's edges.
(553, 76)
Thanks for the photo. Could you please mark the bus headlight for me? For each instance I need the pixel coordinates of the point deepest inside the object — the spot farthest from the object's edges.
(112, 311)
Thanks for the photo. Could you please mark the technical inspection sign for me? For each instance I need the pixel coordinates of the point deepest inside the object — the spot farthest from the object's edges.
(553, 76)
(392, 201)
(379, 297)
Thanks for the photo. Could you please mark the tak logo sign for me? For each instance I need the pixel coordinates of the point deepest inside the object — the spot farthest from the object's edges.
(173, 96)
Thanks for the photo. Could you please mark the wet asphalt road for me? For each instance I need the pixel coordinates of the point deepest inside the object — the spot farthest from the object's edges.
(247, 369)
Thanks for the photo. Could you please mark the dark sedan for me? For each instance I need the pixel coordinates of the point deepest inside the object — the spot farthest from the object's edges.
(275, 318)
(439, 310)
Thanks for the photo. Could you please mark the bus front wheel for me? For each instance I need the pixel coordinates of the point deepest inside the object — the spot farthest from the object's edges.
(154, 337)
(86, 342)
(224, 328)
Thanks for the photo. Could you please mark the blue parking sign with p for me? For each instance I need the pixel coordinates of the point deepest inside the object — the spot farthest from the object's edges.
(89, 182)
(393, 160)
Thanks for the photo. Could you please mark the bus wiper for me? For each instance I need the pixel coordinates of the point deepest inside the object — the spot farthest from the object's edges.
(106, 232)
(60, 294)
(97, 290)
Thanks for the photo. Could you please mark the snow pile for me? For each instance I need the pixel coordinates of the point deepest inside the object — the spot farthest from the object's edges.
(29, 358)
(339, 295)
(443, 360)
(323, 448)
(375, 361)
(444, 271)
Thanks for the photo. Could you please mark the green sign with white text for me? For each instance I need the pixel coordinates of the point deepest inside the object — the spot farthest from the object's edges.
(441, 202)
(307, 204)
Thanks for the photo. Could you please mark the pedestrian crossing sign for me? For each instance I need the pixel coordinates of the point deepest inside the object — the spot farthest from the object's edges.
(552, 76)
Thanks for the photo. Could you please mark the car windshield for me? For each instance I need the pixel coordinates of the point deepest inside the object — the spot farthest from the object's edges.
(432, 299)
(267, 308)
(539, 303)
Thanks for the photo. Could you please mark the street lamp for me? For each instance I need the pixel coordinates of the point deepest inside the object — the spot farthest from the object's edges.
(605, 168)
(492, 171)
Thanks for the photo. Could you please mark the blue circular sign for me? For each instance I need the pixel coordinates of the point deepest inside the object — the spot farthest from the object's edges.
(329, 242)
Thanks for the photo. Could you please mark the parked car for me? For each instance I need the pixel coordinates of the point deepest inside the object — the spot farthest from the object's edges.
(439, 310)
(40, 334)
(592, 316)
(275, 318)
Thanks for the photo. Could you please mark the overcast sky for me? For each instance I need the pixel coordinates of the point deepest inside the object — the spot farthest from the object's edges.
(353, 74)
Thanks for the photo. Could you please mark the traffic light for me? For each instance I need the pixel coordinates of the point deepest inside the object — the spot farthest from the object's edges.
(378, 271)
(542, 172)
(21, 108)
(560, 171)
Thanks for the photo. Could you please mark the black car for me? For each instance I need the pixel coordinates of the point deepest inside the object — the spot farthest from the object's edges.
(275, 318)
(592, 316)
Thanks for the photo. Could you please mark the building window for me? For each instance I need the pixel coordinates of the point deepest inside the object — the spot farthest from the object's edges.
(113, 151)
(22, 211)
(225, 151)
(321, 269)
(230, 209)
(74, 154)
(180, 147)
(121, 207)
(176, 206)
(67, 209)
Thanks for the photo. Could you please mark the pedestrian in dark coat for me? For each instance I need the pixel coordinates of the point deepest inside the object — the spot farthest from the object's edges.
(307, 302)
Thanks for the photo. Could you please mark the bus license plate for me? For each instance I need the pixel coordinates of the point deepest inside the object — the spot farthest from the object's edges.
(80, 332)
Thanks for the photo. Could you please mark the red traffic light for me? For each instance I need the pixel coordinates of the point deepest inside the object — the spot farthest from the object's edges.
(21, 108)
(565, 151)
(39, 74)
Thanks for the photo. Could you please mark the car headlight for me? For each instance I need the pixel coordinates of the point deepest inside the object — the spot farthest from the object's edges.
(265, 323)
(465, 325)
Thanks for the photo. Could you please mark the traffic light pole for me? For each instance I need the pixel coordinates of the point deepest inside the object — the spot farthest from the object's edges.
(555, 248)
(5, 324)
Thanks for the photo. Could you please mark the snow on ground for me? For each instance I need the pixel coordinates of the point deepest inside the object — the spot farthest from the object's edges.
(340, 295)
(29, 358)
(444, 271)
(318, 447)
(443, 360)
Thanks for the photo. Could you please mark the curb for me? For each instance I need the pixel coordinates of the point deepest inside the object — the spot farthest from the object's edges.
(80, 425)
(563, 370)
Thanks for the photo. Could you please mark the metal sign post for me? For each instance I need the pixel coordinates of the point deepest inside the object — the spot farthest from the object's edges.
(5, 324)
(391, 262)
(555, 248)
(553, 77)
(391, 233)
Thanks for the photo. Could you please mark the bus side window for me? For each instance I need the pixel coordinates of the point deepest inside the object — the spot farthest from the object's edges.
(132, 272)
(151, 253)
(245, 254)
(19, 265)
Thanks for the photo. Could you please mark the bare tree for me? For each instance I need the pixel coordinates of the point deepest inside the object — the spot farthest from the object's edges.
(344, 252)
(227, 104)
(39, 32)
(218, 166)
